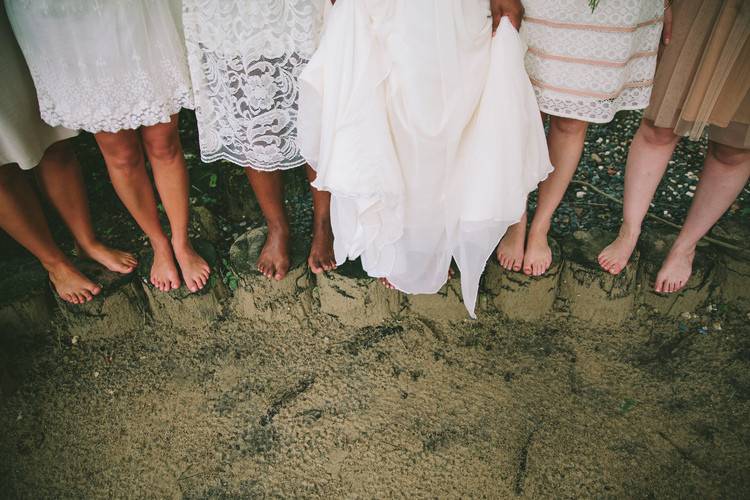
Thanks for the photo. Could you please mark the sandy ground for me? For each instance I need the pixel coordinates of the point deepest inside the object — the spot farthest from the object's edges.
(414, 409)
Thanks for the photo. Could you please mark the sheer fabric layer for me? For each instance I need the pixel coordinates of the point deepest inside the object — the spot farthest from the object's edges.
(426, 132)
(703, 78)
(23, 135)
(245, 58)
(104, 65)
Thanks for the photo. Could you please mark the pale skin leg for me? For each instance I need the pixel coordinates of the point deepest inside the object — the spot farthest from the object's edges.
(21, 216)
(649, 155)
(321, 257)
(59, 176)
(123, 155)
(725, 173)
(565, 141)
(273, 261)
(164, 150)
(510, 251)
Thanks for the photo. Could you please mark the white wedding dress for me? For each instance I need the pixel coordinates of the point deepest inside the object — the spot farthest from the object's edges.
(104, 65)
(426, 131)
(245, 57)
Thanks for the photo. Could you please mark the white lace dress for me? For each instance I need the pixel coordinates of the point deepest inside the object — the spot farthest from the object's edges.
(23, 135)
(104, 65)
(426, 131)
(245, 57)
(589, 65)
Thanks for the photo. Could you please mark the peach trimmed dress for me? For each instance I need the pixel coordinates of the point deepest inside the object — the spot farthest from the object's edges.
(590, 65)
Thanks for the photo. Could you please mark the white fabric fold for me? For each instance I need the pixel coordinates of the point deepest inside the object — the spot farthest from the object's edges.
(426, 131)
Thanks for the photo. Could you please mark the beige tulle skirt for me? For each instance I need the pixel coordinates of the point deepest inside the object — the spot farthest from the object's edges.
(703, 77)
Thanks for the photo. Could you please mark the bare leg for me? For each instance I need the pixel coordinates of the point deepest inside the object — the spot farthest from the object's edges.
(21, 216)
(565, 141)
(321, 251)
(725, 173)
(273, 261)
(648, 158)
(59, 175)
(510, 251)
(123, 155)
(162, 143)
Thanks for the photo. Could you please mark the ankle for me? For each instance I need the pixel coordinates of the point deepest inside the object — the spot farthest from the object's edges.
(539, 228)
(160, 243)
(683, 247)
(88, 245)
(629, 231)
(278, 227)
(54, 263)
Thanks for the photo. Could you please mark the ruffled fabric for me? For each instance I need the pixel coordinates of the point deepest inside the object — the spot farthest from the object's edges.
(426, 131)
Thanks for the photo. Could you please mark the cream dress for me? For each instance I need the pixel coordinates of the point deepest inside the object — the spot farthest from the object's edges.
(590, 65)
(104, 65)
(245, 57)
(23, 135)
(426, 131)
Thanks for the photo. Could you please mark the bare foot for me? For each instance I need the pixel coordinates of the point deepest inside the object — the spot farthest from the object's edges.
(386, 283)
(675, 271)
(538, 255)
(70, 284)
(616, 255)
(115, 260)
(195, 270)
(273, 261)
(510, 250)
(321, 251)
(164, 274)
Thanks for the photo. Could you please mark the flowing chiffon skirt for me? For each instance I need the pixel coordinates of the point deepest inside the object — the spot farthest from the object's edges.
(426, 131)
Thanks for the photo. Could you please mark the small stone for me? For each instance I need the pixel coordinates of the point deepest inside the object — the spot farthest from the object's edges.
(74, 340)
(96, 374)
(595, 157)
(716, 326)
(580, 194)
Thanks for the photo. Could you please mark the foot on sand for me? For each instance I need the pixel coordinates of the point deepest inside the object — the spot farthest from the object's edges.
(538, 255)
(70, 284)
(164, 274)
(273, 261)
(510, 251)
(616, 255)
(195, 270)
(115, 260)
(321, 257)
(675, 271)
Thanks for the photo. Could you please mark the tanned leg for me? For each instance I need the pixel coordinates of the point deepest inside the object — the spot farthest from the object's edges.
(123, 155)
(21, 216)
(321, 251)
(162, 143)
(725, 173)
(565, 141)
(59, 175)
(648, 158)
(273, 261)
